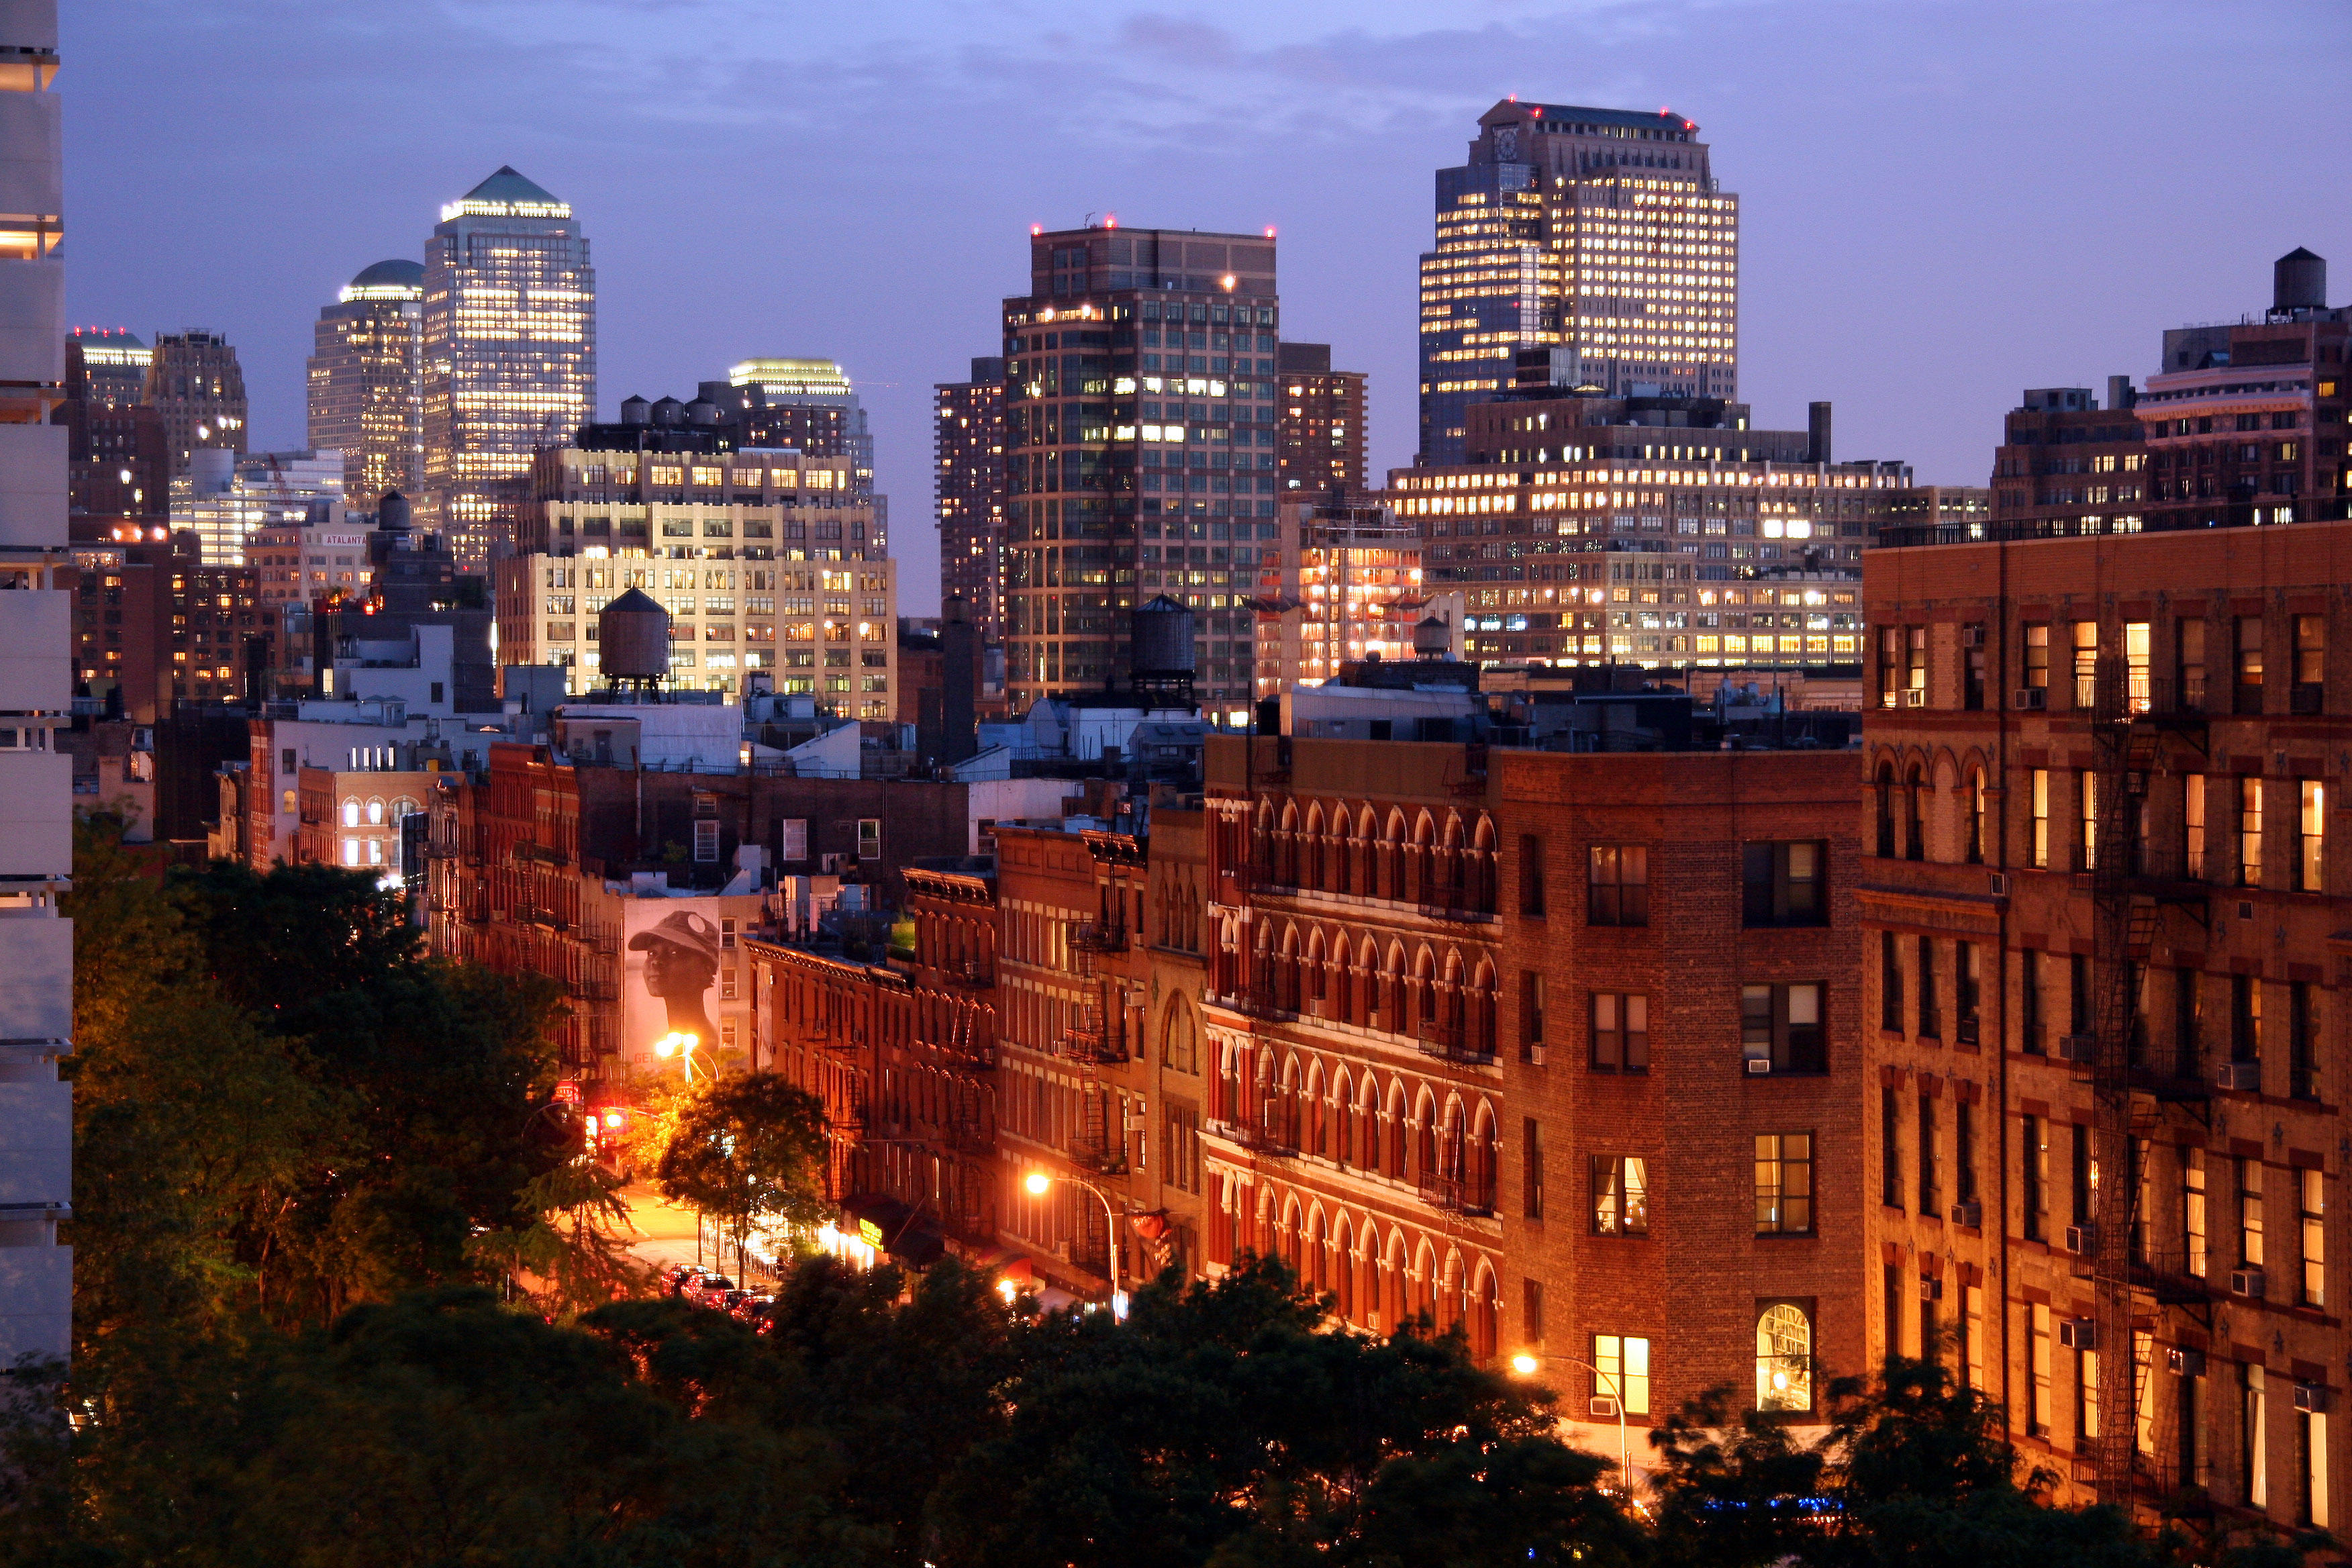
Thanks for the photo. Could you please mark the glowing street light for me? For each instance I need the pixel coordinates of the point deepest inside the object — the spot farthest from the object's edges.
(1037, 1183)
(1527, 1363)
(677, 1043)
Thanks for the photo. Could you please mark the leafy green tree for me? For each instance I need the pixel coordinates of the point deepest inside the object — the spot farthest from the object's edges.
(747, 1151)
(1219, 1424)
(1913, 1471)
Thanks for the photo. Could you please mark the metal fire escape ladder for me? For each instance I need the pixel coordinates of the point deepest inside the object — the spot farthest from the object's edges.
(2124, 926)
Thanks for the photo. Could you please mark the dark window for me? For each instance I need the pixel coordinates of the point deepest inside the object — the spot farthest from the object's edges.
(1531, 1310)
(1531, 1167)
(2190, 650)
(2078, 995)
(1931, 1179)
(1967, 991)
(2029, 997)
(1783, 884)
(1531, 1012)
(1964, 1151)
(1620, 1032)
(2302, 1043)
(1782, 1024)
(1890, 982)
(2245, 1018)
(1890, 1148)
(1618, 885)
(1531, 875)
(1931, 1016)
(2035, 1133)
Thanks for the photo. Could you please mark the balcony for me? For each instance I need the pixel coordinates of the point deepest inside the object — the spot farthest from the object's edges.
(973, 975)
(2165, 1277)
(1089, 1043)
(1449, 1195)
(1447, 1042)
(1260, 1139)
(1097, 937)
(1102, 1159)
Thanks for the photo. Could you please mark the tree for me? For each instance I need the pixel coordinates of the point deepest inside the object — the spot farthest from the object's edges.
(1220, 1424)
(1913, 1471)
(747, 1151)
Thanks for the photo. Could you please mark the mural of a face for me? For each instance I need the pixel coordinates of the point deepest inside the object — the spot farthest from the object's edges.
(676, 973)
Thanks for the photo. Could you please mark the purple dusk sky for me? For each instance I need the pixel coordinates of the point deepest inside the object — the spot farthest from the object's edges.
(1942, 202)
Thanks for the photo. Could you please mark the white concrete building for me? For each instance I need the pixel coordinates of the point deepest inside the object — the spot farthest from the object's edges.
(36, 645)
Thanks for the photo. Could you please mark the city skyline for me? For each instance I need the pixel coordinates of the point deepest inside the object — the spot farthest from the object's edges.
(2043, 269)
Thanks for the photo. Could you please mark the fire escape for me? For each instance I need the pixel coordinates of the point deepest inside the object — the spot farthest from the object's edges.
(2132, 718)
(1090, 1042)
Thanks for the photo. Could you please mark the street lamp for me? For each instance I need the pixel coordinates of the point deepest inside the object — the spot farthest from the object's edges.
(1527, 1363)
(1039, 1183)
(673, 1044)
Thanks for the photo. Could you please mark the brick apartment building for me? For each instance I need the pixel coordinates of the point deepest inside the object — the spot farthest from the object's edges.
(1561, 1047)
(2103, 939)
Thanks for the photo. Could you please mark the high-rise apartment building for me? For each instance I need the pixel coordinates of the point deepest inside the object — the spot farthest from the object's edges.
(510, 350)
(196, 388)
(2105, 746)
(751, 552)
(1343, 584)
(36, 672)
(1140, 436)
(226, 498)
(1597, 235)
(367, 387)
(806, 405)
(119, 465)
(1319, 425)
(968, 488)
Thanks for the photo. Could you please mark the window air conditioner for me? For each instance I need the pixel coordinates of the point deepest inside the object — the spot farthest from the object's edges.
(1760, 1066)
(2248, 1282)
(1930, 1287)
(2029, 698)
(2311, 1397)
(2082, 1240)
(1968, 1214)
(1914, 697)
(1603, 1405)
(2242, 1076)
(2082, 1049)
(2001, 884)
(2185, 1360)
(1972, 636)
(1535, 1056)
(2078, 1333)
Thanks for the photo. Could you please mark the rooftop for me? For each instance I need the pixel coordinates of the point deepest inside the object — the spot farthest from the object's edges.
(506, 194)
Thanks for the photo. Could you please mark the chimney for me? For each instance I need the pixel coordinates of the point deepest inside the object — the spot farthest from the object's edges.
(2299, 282)
(1817, 433)
(959, 682)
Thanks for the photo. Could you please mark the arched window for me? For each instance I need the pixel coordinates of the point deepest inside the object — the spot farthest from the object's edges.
(1915, 807)
(1179, 1038)
(1343, 1271)
(1484, 1294)
(376, 810)
(1978, 805)
(1316, 1121)
(351, 811)
(402, 807)
(1784, 1357)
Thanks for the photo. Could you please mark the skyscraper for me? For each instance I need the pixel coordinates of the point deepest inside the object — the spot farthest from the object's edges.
(36, 646)
(1138, 435)
(1319, 428)
(968, 486)
(367, 389)
(809, 406)
(121, 467)
(1589, 246)
(509, 349)
(196, 389)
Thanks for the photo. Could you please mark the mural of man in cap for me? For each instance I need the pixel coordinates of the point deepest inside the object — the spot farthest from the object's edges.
(681, 965)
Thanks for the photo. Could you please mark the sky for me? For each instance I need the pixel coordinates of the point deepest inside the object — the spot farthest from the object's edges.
(1942, 203)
